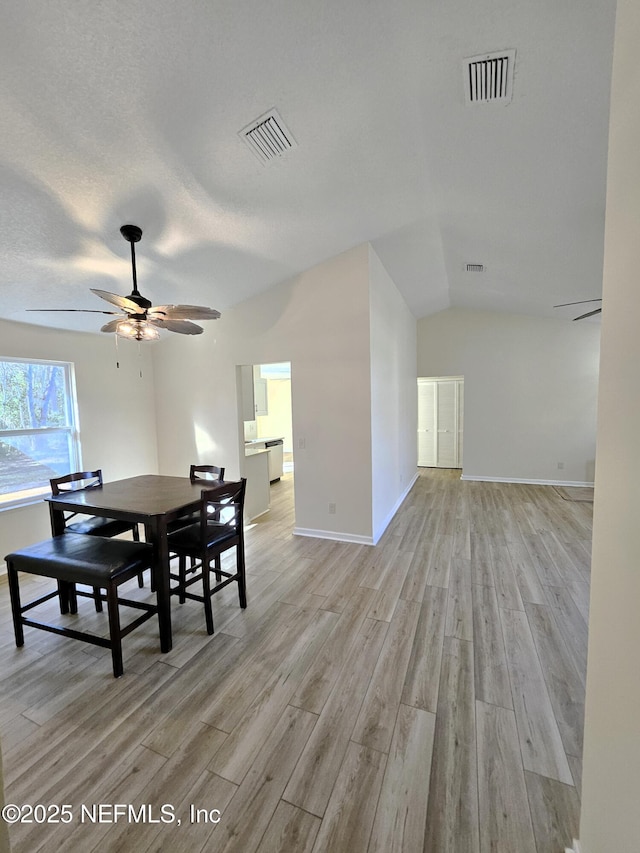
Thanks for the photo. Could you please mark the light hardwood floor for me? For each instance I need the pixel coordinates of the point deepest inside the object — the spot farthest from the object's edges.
(425, 694)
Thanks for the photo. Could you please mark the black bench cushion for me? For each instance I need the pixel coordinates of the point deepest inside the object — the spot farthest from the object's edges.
(82, 559)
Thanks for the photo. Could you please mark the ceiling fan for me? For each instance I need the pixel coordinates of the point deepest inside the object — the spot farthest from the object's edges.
(582, 302)
(138, 318)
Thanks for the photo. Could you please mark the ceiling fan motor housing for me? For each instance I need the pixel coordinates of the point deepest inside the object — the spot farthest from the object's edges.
(131, 233)
(139, 300)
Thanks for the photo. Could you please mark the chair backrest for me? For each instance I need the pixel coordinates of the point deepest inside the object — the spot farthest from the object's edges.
(211, 472)
(76, 481)
(224, 505)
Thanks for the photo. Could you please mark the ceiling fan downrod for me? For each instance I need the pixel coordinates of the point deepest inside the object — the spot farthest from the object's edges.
(132, 234)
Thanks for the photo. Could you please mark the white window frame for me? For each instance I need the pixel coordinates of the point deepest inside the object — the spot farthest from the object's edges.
(35, 495)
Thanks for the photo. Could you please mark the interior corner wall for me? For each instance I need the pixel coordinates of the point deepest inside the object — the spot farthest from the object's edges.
(393, 395)
(319, 321)
(530, 391)
(610, 818)
(116, 412)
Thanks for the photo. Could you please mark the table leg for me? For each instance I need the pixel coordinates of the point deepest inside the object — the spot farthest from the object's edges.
(56, 517)
(158, 536)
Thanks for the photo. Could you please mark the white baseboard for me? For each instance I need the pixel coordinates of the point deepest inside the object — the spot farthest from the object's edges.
(332, 534)
(398, 504)
(355, 538)
(526, 481)
(575, 849)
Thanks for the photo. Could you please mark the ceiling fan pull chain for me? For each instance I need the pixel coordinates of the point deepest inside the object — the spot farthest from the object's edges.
(139, 356)
(117, 352)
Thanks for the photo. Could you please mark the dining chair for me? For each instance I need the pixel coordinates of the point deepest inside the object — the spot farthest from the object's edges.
(219, 528)
(210, 472)
(98, 562)
(197, 473)
(89, 524)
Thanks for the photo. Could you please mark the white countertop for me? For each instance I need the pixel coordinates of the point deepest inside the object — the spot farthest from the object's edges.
(262, 440)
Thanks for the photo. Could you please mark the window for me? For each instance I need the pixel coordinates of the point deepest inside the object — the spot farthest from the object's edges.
(38, 433)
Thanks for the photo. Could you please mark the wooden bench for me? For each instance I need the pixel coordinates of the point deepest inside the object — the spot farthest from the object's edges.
(99, 563)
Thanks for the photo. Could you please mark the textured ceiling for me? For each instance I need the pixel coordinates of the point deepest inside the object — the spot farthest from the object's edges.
(117, 112)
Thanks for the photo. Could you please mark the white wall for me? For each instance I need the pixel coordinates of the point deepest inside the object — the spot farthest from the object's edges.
(393, 394)
(530, 391)
(319, 321)
(611, 781)
(117, 417)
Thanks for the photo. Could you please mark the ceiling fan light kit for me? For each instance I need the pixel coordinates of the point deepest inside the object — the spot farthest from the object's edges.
(136, 330)
(137, 318)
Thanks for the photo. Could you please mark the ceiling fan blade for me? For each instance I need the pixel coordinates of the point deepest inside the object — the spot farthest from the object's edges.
(184, 312)
(183, 327)
(582, 302)
(589, 314)
(112, 325)
(121, 301)
(83, 310)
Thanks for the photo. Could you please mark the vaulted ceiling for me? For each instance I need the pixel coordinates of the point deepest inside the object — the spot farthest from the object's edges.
(118, 112)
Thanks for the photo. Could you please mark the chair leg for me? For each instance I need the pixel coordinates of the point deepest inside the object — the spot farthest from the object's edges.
(242, 581)
(114, 629)
(68, 597)
(14, 592)
(206, 594)
(182, 577)
(136, 538)
(63, 596)
(218, 567)
(97, 599)
(72, 598)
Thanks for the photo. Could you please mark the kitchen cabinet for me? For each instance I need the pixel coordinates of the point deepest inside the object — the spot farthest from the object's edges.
(274, 447)
(260, 396)
(253, 392)
(246, 393)
(255, 468)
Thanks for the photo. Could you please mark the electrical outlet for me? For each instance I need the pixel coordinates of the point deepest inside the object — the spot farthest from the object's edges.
(560, 466)
(332, 509)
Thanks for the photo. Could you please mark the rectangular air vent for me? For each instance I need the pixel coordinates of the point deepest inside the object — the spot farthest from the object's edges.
(489, 78)
(475, 268)
(268, 137)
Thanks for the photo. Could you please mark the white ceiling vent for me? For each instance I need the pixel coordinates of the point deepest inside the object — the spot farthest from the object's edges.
(489, 78)
(474, 268)
(268, 137)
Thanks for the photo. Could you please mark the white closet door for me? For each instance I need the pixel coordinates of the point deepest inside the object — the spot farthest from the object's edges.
(440, 410)
(427, 423)
(447, 422)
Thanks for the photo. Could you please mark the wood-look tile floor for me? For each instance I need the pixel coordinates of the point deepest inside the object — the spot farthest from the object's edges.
(426, 694)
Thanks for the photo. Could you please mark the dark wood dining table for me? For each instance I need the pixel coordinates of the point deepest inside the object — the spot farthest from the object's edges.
(152, 500)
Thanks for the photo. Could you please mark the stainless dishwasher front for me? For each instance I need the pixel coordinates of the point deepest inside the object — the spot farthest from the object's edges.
(276, 456)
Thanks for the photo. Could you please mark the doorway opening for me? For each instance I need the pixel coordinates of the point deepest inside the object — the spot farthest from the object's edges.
(273, 408)
(440, 421)
(266, 434)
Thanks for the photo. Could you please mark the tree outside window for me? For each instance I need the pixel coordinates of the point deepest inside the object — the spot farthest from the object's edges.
(38, 434)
